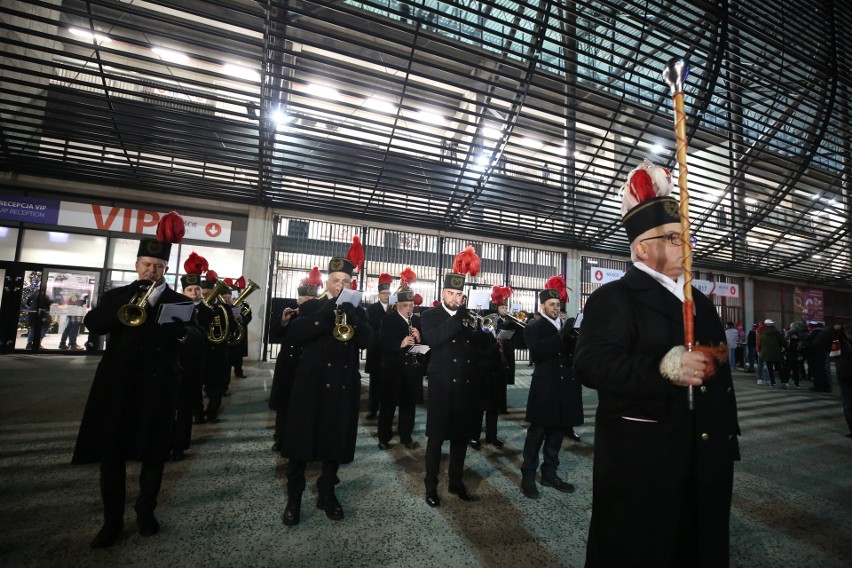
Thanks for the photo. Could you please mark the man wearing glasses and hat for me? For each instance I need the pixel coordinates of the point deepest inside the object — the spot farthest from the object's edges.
(663, 472)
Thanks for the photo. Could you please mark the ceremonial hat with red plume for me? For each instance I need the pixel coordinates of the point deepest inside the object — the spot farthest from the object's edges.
(210, 280)
(170, 230)
(194, 266)
(466, 263)
(407, 277)
(385, 281)
(554, 288)
(310, 284)
(418, 299)
(353, 261)
(500, 295)
(646, 200)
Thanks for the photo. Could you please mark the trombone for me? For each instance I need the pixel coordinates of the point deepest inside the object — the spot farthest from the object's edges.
(133, 313)
(519, 318)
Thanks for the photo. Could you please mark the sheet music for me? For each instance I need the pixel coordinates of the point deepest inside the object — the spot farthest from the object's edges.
(182, 311)
(351, 296)
(479, 299)
(578, 320)
(419, 349)
(506, 334)
(393, 299)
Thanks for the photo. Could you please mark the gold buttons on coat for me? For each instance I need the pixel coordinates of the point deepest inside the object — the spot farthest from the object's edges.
(316, 323)
(705, 436)
(328, 365)
(328, 385)
(703, 389)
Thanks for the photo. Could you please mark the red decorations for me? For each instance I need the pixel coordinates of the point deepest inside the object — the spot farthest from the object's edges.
(467, 262)
(195, 264)
(356, 254)
(171, 228)
(558, 283)
(499, 294)
(408, 277)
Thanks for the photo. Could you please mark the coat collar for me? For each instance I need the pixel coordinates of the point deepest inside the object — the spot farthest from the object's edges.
(652, 294)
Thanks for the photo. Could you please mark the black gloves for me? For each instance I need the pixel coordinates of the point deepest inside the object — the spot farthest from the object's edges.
(176, 329)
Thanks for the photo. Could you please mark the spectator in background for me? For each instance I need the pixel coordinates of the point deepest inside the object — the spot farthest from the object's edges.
(762, 375)
(843, 336)
(817, 358)
(751, 346)
(793, 341)
(771, 347)
(72, 328)
(731, 337)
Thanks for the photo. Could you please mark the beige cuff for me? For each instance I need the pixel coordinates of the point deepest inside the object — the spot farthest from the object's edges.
(670, 366)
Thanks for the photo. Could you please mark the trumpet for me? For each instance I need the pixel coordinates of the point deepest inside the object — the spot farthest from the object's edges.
(133, 314)
(485, 323)
(342, 330)
(219, 328)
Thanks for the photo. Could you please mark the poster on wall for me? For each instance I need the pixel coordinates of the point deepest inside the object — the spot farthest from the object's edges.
(808, 304)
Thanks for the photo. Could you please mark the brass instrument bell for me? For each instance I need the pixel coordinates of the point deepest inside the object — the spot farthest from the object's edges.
(133, 314)
(342, 330)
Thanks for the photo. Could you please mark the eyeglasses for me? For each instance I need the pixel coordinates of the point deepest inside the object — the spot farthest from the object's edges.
(672, 238)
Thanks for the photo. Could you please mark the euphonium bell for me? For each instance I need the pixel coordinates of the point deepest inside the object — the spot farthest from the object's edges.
(219, 328)
(342, 330)
(489, 323)
(133, 314)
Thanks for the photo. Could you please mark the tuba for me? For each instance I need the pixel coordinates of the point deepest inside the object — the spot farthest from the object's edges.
(133, 314)
(219, 328)
(239, 333)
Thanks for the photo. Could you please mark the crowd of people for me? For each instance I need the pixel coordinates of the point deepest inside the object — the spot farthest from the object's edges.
(666, 429)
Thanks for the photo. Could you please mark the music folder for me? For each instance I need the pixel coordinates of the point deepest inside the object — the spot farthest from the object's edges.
(418, 348)
(182, 311)
(506, 334)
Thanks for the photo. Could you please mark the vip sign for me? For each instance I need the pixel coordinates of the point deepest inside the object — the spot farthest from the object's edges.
(604, 275)
(138, 221)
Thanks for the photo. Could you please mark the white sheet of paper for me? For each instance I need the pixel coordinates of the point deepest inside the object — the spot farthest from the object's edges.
(578, 320)
(182, 311)
(392, 299)
(351, 296)
(417, 348)
(479, 299)
(506, 334)
(515, 308)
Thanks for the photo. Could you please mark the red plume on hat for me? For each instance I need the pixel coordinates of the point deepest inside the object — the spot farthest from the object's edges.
(645, 182)
(418, 299)
(408, 277)
(240, 282)
(499, 294)
(228, 281)
(356, 254)
(171, 228)
(558, 282)
(385, 278)
(466, 262)
(195, 264)
(314, 278)
(212, 275)
(354, 284)
(436, 303)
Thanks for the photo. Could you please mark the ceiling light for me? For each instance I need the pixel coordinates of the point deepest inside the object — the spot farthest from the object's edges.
(89, 35)
(171, 55)
(322, 91)
(817, 257)
(240, 72)
(380, 105)
(281, 119)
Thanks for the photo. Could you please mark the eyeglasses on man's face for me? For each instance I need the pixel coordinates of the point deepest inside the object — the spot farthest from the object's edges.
(673, 239)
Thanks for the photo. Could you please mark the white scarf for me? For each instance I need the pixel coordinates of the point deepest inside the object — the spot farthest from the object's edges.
(675, 287)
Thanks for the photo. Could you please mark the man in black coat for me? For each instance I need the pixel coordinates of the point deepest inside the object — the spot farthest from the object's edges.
(217, 364)
(322, 418)
(663, 473)
(555, 402)
(373, 365)
(402, 371)
(288, 360)
(453, 402)
(131, 407)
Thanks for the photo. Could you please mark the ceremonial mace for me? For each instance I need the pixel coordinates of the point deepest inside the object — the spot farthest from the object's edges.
(674, 75)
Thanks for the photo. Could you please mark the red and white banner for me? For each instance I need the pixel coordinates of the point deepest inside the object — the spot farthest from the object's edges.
(138, 221)
(709, 288)
(604, 275)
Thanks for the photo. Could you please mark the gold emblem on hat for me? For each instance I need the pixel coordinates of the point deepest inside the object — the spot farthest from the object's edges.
(554, 293)
(457, 281)
(335, 264)
(155, 246)
(671, 208)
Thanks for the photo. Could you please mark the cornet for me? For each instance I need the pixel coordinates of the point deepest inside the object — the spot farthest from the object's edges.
(133, 314)
(342, 330)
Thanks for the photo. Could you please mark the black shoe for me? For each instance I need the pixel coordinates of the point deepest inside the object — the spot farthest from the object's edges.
(370, 416)
(148, 525)
(201, 419)
(558, 484)
(530, 490)
(475, 444)
(384, 445)
(572, 435)
(292, 511)
(276, 447)
(411, 444)
(107, 536)
(433, 500)
(461, 493)
(331, 506)
(178, 455)
(240, 376)
(496, 442)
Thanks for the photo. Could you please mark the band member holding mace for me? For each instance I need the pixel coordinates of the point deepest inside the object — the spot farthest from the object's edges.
(663, 474)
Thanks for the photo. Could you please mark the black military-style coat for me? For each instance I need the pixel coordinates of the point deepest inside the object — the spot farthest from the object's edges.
(555, 398)
(241, 348)
(403, 373)
(193, 354)
(217, 367)
(322, 418)
(650, 449)
(375, 314)
(130, 411)
(491, 371)
(453, 404)
(509, 346)
(285, 365)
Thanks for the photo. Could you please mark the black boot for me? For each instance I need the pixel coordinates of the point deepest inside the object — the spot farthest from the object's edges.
(293, 510)
(107, 536)
(328, 502)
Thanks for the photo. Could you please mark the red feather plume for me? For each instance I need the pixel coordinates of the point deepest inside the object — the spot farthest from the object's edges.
(314, 278)
(354, 284)
(408, 277)
(212, 275)
(385, 278)
(171, 228)
(356, 254)
(641, 186)
(436, 303)
(418, 299)
(229, 281)
(466, 262)
(241, 283)
(195, 264)
(499, 294)
(558, 282)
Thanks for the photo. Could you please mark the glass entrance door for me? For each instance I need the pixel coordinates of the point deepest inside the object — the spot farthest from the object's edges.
(53, 304)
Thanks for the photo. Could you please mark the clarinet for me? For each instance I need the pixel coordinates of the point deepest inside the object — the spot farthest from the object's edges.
(412, 357)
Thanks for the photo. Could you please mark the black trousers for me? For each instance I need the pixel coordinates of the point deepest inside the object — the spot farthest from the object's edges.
(113, 490)
(551, 438)
(375, 392)
(182, 432)
(405, 425)
(296, 478)
(280, 421)
(489, 417)
(458, 450)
